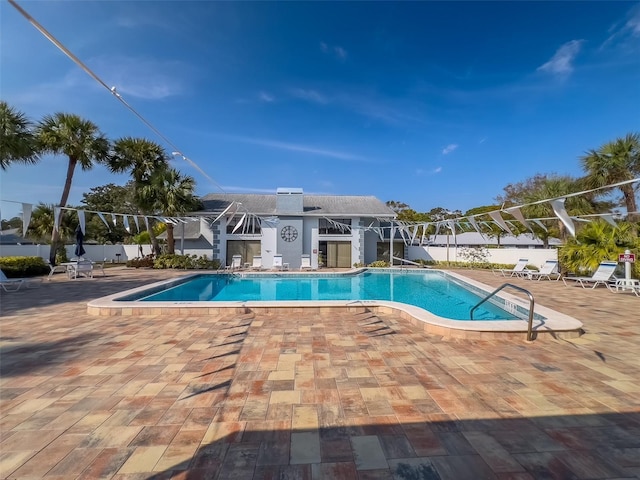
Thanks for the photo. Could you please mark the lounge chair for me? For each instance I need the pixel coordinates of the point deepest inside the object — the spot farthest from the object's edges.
(305, 262)
(257, 263)
(602, 276)
(277, 263)
(548, 270)
(236, 262)
(54, 268)
(14, 284)
(519, 270)
(100, 266)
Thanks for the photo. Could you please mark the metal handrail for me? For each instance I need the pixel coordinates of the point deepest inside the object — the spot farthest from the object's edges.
(531, 305)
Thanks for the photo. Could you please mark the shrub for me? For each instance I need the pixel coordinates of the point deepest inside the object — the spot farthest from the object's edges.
(16, 267)
(379, 264)
(145, 262)
(475, 254)
(422, 261)
(61, 255)
(169, 260)
(358, 265)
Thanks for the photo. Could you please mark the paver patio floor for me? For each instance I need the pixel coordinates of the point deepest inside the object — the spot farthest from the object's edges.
(350, 396)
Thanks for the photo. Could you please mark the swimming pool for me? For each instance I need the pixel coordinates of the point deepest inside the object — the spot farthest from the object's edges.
(433, 291)
(494, 324)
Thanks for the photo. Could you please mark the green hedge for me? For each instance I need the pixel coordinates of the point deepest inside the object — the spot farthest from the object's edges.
(474, 265)
(186, 262)
(17, 267)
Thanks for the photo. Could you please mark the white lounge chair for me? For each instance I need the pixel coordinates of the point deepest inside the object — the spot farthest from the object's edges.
(100, 266)
(277, 263)
(236, 262)
(257, 263)
(602, 276)
(519, 270)
(548, 270)
(305, 262)
(14, 284)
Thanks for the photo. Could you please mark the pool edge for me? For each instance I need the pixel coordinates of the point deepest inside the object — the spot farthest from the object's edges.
(555, 323)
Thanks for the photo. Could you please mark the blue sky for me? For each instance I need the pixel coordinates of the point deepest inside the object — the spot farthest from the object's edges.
(437, 104)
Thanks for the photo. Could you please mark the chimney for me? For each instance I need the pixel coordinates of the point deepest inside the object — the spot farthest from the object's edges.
(289, 201)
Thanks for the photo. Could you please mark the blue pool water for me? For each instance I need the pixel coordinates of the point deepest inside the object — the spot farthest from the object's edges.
(433, 291)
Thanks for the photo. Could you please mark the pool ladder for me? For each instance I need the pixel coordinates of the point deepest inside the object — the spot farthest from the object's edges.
(531, 305)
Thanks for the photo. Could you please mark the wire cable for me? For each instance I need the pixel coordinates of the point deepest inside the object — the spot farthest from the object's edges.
(111, 90)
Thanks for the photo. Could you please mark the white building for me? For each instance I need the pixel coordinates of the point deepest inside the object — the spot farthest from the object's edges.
(335, 231)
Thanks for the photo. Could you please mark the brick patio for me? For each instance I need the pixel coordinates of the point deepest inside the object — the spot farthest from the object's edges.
(355, 396)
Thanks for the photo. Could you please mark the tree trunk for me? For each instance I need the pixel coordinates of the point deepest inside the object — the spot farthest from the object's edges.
(55, 235)
(171, 241)
(154, 240)
(630, 202)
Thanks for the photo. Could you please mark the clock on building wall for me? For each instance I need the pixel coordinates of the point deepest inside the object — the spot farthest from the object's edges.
(289, 233)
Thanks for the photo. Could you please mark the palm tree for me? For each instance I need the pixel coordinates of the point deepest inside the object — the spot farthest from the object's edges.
(17, 140)
(615, 162)
(174, 196)
(41, 225)
(142, 159)
(596, 242)
(554, 186)
(80, 140)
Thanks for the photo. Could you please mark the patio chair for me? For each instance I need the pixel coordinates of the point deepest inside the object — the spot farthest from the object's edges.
(519, 270)
(602, 276)
(277, 263)
(549, 269)
(257, 263)
(305, 262)
(55, 268)
(14, 284)
(236, 262)
(100, 266)
(82, 268)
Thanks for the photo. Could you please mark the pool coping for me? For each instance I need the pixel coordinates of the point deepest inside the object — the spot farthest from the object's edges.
(553, 322)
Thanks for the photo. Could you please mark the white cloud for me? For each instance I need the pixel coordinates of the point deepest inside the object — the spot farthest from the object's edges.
(336, 51)
(295, 147)
(141, 77)
(309, 95)
(340, 52)
(266, 97)
(449, 148)
(625, 31)
(562, 61)
(482, 140)
(437, 170)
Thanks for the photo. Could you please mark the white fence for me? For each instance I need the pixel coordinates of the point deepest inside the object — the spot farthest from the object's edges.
(96, 253)
(122, 253)
(535, 256)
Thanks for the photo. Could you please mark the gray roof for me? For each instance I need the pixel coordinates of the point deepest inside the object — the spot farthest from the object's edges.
(12, 237)
(314, 205)
(192, 231)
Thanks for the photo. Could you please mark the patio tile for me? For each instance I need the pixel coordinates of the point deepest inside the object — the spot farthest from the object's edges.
(304, 395)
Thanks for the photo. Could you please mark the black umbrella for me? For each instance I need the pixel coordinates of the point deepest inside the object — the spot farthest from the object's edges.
(79, 251)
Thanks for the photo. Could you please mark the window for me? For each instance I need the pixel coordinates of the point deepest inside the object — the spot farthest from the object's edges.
(249, 226)
(246, 248)
(383, 251)
(326, 227)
